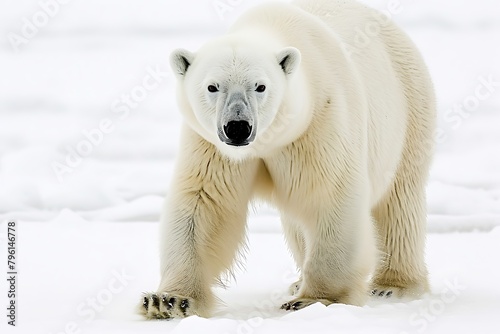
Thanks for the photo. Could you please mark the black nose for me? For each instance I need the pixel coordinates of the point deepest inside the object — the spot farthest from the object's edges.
(238, 132)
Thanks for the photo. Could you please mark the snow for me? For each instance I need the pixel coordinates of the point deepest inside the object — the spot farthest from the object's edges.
(80, 231)
(68, 262)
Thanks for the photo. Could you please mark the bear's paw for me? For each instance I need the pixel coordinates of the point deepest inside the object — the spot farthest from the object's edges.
(166, 306)
(386, 291)
(300, 303)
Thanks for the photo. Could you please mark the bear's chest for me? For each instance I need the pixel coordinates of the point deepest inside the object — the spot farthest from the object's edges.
(299, 173)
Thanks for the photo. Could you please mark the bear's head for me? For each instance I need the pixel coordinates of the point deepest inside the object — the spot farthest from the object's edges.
(230, 93)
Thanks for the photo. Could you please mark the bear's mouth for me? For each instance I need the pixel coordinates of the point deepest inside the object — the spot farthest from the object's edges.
(237, 133)
(245, 143)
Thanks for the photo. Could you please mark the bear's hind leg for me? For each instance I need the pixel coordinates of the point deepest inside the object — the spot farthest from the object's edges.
(401, 225)
(401, 215)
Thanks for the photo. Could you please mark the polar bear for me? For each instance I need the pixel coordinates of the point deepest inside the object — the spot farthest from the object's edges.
(290, 107)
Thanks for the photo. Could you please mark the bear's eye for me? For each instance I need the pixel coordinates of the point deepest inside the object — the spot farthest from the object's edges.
(260, 88)
(212, 89)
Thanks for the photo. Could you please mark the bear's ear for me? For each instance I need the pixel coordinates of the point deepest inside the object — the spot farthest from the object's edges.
(289, 59)
(180, 60)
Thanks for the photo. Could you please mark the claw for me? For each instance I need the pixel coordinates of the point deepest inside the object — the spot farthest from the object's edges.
(184, 306)
(285, 306)
(171, 303)
(296, 306)
(292, 306)
(156, 301)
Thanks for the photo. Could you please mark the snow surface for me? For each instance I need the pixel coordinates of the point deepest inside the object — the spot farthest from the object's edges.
(77, 233)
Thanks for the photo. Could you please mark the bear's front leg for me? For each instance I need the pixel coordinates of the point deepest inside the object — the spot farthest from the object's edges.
(340, 252)
(202, 227)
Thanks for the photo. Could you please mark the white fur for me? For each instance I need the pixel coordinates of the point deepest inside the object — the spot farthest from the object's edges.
(342, 148)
